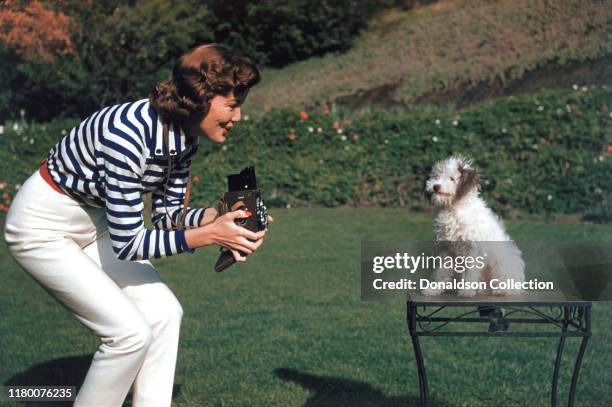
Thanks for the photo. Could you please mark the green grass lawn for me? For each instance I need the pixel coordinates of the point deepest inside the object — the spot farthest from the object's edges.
(288, 328)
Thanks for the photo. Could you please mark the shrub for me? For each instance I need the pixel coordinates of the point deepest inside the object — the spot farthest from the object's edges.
(120, 52)
(277, 33)
(126, 50)
(96, 53)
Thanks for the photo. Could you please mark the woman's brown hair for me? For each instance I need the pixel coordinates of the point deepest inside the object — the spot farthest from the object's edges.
(199, 75)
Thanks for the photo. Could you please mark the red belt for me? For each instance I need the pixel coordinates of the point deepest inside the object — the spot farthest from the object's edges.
(44, 172)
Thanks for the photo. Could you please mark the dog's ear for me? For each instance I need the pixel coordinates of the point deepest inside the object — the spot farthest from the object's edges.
(470, 179)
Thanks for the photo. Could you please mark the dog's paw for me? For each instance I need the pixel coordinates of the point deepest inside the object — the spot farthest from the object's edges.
(468, 293)
(431, 292)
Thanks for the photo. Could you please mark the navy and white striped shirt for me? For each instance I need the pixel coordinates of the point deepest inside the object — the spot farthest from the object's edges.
(112, 158)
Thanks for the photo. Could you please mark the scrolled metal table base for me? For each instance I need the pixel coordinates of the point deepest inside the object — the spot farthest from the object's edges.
(570, 318)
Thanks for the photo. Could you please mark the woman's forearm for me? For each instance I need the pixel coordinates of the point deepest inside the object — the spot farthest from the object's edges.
(199, 237)
(210, 214)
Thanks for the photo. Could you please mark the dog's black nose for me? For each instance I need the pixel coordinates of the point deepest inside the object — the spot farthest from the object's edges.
(437, 188)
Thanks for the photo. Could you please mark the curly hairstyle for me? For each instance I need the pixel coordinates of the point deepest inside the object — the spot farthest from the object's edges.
(199, 75)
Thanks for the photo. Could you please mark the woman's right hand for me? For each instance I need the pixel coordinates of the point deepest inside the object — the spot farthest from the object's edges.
(224, 232)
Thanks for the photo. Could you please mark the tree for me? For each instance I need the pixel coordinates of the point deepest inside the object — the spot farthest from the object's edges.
(132, 47)
(35, 32)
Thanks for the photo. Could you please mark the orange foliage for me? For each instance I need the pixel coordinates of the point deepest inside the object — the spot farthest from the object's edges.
(35, 32)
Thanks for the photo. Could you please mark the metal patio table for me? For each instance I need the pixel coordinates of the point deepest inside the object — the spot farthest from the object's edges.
(570, 317)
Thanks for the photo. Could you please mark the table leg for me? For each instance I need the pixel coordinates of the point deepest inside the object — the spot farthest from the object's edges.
(553, 397)
(422, 375)
(423, 391)
(572, 392)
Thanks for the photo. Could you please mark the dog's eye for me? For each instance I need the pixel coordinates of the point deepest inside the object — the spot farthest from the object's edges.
(452, 179)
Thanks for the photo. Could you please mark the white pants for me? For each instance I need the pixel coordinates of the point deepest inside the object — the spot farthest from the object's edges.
(65, 247)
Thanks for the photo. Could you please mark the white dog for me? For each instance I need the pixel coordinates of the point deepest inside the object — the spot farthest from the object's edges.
(467, 226)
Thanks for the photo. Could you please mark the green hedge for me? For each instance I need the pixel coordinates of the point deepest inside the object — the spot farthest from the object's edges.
(543, 153)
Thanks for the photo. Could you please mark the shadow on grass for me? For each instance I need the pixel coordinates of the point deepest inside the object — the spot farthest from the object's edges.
(329, 391)
(68, 371)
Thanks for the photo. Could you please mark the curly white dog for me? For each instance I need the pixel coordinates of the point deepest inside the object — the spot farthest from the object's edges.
(467, 226)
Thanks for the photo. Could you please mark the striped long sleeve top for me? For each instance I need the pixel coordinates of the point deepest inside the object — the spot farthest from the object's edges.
(111, 159)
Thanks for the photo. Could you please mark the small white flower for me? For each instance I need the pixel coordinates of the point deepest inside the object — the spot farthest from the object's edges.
(437, 121)
(503, 130)
(321, 161)
(31, 141)
(343, 138)
(540, 108)
(64, 132)
(310, 129)
(535, 146)
(610, 114)
(22, 113)
(549, 197)
(559, 111)
(246, 117)
(224, 148)
(575, 87)
(17, 186)
(386, 141)
(339, 131)
(15, 126)
(455, 122)
(288, 206)
(434, 139)
(584, 89)
(600, 158)
(319, 130)
(2, 129)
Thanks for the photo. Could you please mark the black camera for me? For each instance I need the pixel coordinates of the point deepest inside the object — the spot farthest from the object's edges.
(242, 194)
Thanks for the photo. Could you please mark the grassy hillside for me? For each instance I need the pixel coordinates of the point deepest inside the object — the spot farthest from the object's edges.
(447, 45)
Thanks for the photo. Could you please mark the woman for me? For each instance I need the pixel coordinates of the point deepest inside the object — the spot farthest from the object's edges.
(76, 225)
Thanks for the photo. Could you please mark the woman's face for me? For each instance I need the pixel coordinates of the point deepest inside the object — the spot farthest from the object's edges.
(224, 112)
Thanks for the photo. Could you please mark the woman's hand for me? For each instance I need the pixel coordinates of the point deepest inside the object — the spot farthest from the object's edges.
(236, 253)
(210, 214)
(223, 231)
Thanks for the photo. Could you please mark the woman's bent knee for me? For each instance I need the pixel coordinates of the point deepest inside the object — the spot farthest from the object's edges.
(134, 339)
(172, 312)
(161, 307)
